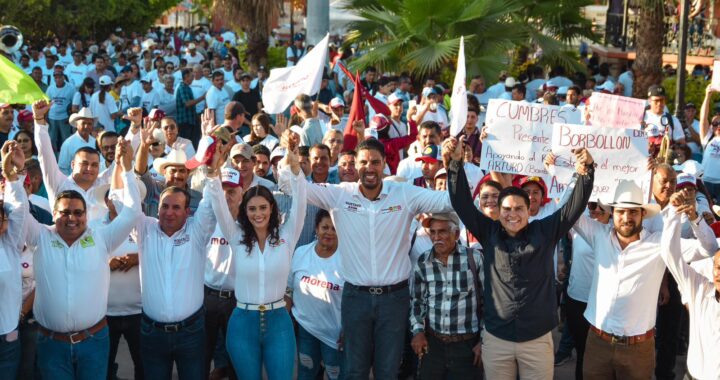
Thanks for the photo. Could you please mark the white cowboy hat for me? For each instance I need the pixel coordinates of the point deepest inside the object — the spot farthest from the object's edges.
(629, 195)
(84, 113)
(175, 157)
(99, 192)
(716, 209)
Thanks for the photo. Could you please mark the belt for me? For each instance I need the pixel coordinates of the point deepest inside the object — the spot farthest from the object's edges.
(73, 337)
(175, 326)
(264, 307)
(622, 340)
(451, 338)
(222, 294)
(378, 290)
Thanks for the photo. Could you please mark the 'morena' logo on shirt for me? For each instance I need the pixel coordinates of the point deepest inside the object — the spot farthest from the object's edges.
(181, 240)
(219, 241)
(320, 283)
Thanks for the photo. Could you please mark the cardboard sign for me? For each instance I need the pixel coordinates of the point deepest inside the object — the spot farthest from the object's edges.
(615, 111)
(715, 82)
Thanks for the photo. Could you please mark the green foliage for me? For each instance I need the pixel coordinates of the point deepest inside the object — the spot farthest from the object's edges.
(38, 19)
(276, 57)
(422, 36)
(694, 91)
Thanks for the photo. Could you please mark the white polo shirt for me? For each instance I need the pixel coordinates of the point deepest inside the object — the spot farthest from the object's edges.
(219, 267)
(72, 282)
(703, 357)
(172, 267)
(261, 276)
(626, 282)
(10, 269)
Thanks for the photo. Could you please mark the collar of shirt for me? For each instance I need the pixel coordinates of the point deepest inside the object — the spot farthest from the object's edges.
(456, 251)
(383, 193)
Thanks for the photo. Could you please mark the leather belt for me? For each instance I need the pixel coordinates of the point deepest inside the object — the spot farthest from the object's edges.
(264, 307)
(378, 290)
(222, 294)
(622, 340)
(73, 337)
(171, 327)
(451, 338)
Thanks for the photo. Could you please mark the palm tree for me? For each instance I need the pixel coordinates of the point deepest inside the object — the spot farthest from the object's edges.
(254, 17)
(422, 36)
(647, 68)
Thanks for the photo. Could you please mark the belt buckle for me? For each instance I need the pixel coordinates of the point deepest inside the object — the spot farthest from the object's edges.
(621, 340)
(225, 294)
(376, 290)
(262, 308)
(72, 338)
(171, 328)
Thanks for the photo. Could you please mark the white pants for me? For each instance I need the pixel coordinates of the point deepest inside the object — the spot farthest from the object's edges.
(505, 360)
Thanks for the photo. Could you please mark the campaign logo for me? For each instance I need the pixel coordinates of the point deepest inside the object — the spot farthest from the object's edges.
(219, 241)
(278, 243)
(57, 244)
(181, 240)
(352, 207)
(390, 209)
(319, 283)
(87, 242)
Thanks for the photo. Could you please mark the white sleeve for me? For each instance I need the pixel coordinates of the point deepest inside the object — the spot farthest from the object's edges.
(119, 229)
(16, 199)
(703, 246)
(677, 132)
(204, 220)
(52, 176)
(298, 209)
(421, 200)
(228, 225)
(671, 253)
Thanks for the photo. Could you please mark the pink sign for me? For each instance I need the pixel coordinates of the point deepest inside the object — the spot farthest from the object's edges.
(615, 111)
(715, 83)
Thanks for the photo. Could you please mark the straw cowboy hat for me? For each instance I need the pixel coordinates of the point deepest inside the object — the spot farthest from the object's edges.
(629, 195)
(84, 113)
(175, 157)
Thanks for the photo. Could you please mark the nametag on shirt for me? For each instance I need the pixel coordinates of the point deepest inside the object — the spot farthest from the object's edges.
(56, 244)
(87, 241)
(352, 207)
(11, 337)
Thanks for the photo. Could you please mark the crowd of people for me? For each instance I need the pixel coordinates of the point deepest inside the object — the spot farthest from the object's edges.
(262, 243)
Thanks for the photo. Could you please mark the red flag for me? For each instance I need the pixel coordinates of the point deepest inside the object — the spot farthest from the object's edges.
(357, 112)
(377, 105)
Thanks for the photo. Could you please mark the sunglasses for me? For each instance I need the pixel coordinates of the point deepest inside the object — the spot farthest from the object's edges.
(715, 123)
(155, 144)
(592, 206)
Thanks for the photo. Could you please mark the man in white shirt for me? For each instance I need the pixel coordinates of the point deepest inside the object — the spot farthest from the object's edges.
(192, 56)
(217, 97)
(148, 99)
(623, 297)
(296, 50)
(700, 294)
(657, 121)
(375, 263)
(77, 70)
(84, 122)
(243, 160)
(199, 86)
(172, 262)
(72, 281)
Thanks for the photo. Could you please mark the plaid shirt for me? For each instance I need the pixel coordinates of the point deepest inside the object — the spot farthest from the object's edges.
(444, 294)
(184, 115)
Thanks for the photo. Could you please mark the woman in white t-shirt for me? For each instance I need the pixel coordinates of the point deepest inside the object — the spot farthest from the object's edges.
(260, 132)
(314, 294)
(103, 105)
(710, 136)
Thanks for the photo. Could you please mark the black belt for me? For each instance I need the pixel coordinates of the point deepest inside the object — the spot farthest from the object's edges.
(222, 294)
(378, 290)
(175, 326)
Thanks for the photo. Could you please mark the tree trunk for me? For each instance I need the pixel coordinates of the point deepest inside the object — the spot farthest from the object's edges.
(647, 69)
(257, 45)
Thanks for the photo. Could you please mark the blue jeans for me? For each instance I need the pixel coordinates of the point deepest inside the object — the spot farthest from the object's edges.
(9, 355)
(85, 360)
(255, 338)
(311, 351)
(374, 332)
(186, 348)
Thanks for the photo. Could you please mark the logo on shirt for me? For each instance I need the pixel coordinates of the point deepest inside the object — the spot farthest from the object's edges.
(87, 241)
(319, 283)
(352, 207)
(219, 241)
(181, 240)
(56, 244)
(391, 209)
(279, 243)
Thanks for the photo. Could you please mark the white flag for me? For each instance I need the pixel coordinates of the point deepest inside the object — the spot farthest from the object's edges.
(458, 101)
(285, 83)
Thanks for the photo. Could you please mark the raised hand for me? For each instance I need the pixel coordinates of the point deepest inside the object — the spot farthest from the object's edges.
(146, 134)
(291, 159)
(126, 155)
(134, 116)
(218, 158)
(40, 109)
(583, 160)
(207, 122)
(549, 160)
(281, 124)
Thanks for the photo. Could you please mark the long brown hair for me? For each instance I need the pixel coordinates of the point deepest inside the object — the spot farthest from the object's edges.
(249, 235)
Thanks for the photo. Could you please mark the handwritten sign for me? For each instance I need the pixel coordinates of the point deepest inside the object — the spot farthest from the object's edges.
(619, 154)
(519, 135)
(715, 82)
(615, 111)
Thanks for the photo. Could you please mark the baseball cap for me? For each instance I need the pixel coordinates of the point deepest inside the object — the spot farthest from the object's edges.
(298, 37)
(146, 79)
(230, 177)
(691, 167)
(524, 180)
(562, 90)
(690, 105)
(191, 46)
(429, 154)
(449, 216)
(205, 151)
(427, 91)
(278, 152)
(440, 172)
(379, 122)
(337, 103)
(25, 115)
(262, 68)
(510, 82)
(241, 149)
(656, 90)
(245, 75)
(156, 114)
(297, 129)
(394, 98)
(608, 86)
(105, 80)
(685, 180)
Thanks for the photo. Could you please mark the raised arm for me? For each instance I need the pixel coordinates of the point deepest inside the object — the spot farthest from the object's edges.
(52, 176)
(705, 113)
(214, 194)
(20, 220)
(294, 220)
(671, 253)
(141, 157)
(705, 245)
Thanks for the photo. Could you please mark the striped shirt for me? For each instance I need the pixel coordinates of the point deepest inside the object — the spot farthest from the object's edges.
(444, 294)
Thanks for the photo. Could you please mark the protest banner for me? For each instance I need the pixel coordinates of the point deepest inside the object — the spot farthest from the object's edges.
(458, 102)
(615, 111)
(519, 135)
(715, 81)
(619, 153)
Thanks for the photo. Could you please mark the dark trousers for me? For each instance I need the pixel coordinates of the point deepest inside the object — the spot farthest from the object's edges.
(190, 132)
(185, 348)
(127, 326)
(10, 351)
(668, 333)
(448, 360)
(28, 361)
(607, 361)
(217, 315)
(374, 332)
(578, 326)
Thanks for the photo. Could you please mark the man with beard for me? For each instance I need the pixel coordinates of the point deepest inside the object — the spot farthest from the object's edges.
(626, 280)
(375, 263)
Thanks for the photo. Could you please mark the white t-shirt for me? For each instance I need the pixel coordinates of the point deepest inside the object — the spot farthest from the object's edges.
(711, 161)
(102, 111)
(317, 293)
(694, 147)
(61, 98)
(193, 60)
(216, 100)
(28, 277)
(219, 266)
(655, 126)
(199, 87)
(76, 73)
(130, 92)
(149, 100)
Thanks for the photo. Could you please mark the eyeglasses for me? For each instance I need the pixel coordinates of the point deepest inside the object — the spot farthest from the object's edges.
(107, 147)
(155, 144)
(66, 213)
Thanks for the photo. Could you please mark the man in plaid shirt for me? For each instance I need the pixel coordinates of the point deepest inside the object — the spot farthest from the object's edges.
(186, 117)
(444, 318)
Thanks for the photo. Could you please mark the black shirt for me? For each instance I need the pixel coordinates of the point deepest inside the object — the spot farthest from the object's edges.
(519, 285)
(249, 100)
